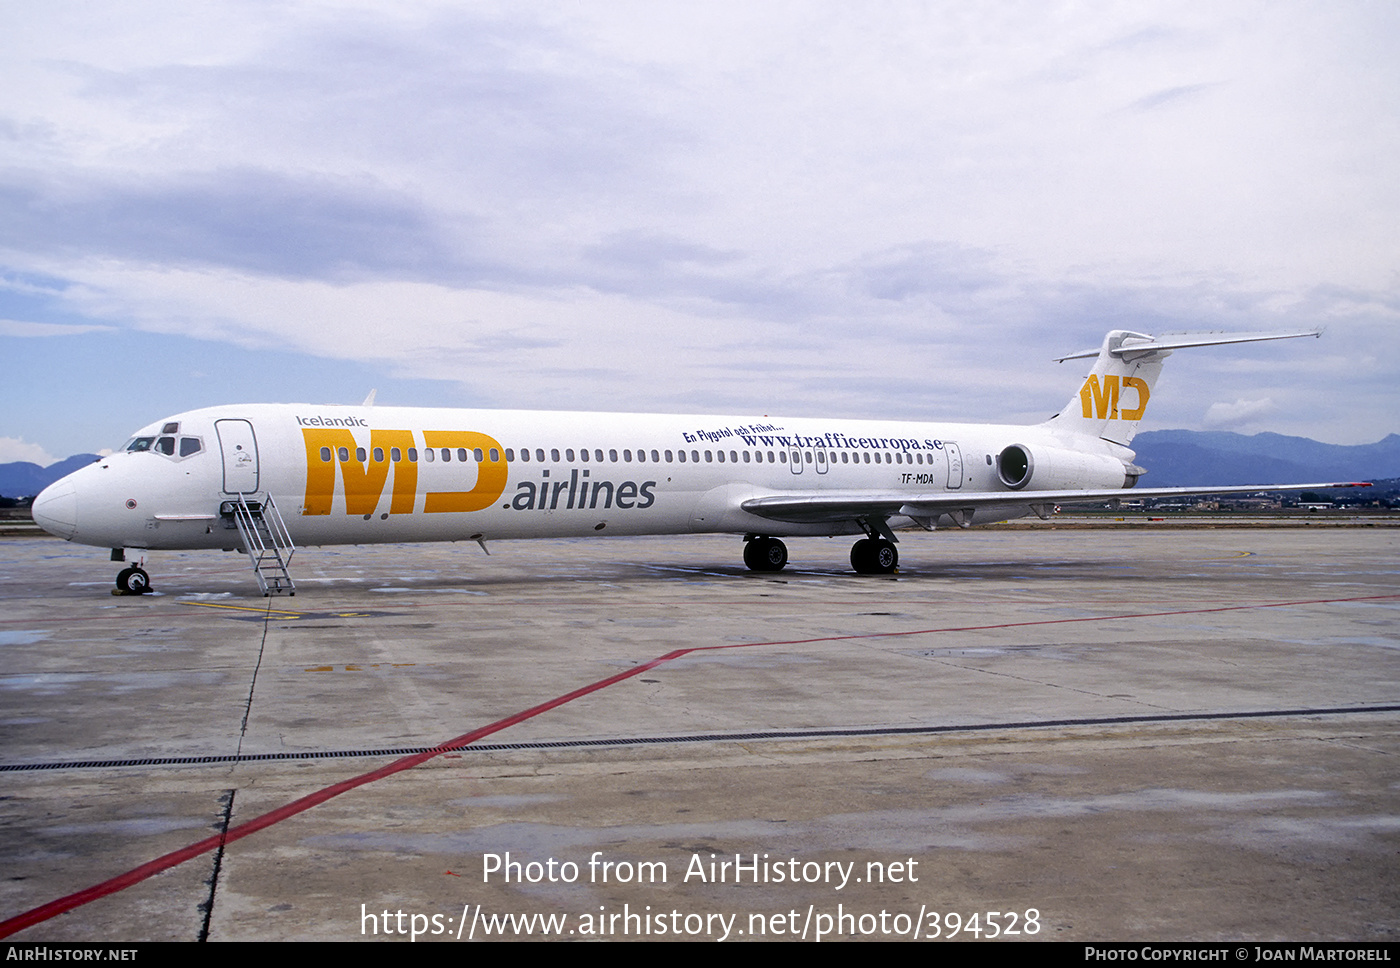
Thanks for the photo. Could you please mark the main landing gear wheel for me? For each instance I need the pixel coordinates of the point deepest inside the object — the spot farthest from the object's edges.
(134, 581)
(765, 554)
(874, 556)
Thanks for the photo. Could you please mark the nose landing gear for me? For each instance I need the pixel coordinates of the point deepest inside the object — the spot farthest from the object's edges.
(133, 581)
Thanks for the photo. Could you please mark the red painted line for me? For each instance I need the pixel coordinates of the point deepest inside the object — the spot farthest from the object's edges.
(167, 861)
(174, 858)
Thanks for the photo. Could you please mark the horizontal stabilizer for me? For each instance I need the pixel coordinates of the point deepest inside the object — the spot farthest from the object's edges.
(1180, 341)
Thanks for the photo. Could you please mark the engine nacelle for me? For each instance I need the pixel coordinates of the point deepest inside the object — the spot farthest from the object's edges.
(1020, 466)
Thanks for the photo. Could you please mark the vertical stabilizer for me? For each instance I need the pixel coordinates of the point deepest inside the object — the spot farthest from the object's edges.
(1111, 401)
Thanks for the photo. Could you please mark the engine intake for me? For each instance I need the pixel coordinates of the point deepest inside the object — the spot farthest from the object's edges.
(1057, 468)
(1015, 466)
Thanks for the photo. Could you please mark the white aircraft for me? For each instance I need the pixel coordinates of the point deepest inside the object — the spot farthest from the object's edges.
(216, 478)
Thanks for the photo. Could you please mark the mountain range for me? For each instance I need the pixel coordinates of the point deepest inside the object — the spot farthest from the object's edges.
(1190, 458)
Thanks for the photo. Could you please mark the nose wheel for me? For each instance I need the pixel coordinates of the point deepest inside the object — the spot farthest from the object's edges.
(133, 581)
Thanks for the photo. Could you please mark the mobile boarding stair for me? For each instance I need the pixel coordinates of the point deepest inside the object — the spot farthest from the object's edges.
(266, 540)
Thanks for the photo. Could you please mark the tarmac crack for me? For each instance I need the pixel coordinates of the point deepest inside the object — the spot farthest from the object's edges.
(253, 684)
(207, 905)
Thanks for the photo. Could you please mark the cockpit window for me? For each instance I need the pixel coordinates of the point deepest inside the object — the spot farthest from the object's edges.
(166, 445)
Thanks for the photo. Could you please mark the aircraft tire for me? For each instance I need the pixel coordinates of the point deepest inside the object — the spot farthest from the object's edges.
(765, 554)
(874, 556)
(885, 558)
(860, 556)
(134, 580)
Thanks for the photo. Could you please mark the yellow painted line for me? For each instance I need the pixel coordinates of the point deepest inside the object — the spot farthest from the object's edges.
(243, 608)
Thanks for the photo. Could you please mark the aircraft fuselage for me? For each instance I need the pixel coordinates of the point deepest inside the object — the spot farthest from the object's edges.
(356, 475)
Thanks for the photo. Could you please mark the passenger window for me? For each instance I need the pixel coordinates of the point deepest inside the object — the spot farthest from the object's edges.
(447, 454)
(462, 454)
(495, 456)
(627, 456)
(395, 454)
(612, 456)
(379, 455)
(429, 455)
(681, 455)
(525, 453)
(569, 454)
(539, 454)
(510, 454)
(344, 454)
(478, 456)
(413, 454)
(554, 454)
(668, 457)
(360, 454)
(325, 455)
(598, 455)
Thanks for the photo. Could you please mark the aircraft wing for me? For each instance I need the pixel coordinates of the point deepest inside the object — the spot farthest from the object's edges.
(833, 506)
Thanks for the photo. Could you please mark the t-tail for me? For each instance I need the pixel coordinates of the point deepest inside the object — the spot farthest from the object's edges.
(1113, 398)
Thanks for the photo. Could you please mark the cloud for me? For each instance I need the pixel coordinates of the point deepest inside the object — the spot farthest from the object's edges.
(23, 329)
(1170, 95)
(257, 221)
(1241, 412)
(17, 449)
(702, 207)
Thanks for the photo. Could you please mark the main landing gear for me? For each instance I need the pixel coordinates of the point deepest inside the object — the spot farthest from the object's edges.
(869, 556)
(874, 556)
(765, 554)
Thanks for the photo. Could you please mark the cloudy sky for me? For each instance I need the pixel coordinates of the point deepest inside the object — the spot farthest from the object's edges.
(884, 209)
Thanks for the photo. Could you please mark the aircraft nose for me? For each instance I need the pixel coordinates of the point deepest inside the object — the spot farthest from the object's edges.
(56, 509)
